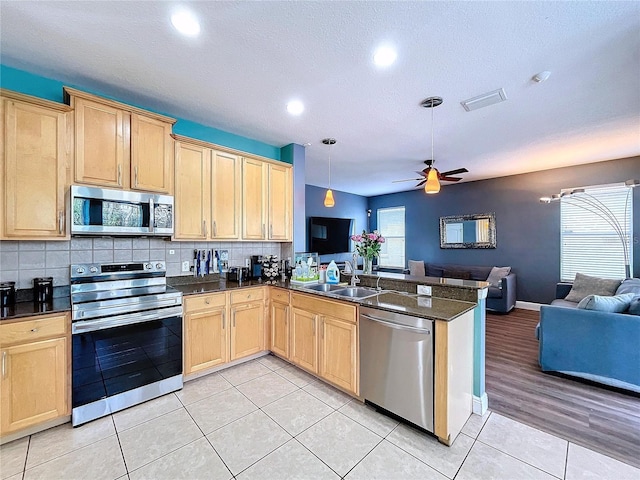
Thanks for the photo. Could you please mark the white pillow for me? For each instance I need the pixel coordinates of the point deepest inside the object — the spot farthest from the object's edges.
(497, 274)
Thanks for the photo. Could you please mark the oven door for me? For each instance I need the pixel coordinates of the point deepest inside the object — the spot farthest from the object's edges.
(116, 367)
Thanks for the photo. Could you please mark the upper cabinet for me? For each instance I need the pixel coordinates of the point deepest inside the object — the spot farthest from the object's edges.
(120, 146)
(193, 189)
(35, 165)
(279, 200)
(226, 200)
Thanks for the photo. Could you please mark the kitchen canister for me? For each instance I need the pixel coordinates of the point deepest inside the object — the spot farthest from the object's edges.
(43, 289)
(7, 294)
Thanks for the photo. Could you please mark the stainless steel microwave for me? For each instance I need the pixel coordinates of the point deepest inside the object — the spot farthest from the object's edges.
(102, 211)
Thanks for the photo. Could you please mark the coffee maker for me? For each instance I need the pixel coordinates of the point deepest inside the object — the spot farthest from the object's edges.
(255, 268)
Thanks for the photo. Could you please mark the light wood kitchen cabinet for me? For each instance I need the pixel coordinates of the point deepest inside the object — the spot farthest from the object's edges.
(35, 381)
(279, 317)
(338, 352)
(304, 341)
(121, 146)
(226, 204)
(254, 194)
(192, 191)
(247, 322)
(35, 166)
(279, 202)
(206, 332)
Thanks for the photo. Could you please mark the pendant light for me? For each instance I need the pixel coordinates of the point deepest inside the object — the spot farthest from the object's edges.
(433, 183)
(328, 198)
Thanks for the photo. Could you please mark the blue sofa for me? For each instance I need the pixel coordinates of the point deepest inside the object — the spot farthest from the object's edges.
(598, 346)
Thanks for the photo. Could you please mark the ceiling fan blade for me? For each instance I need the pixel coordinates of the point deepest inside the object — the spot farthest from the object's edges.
(421, 183)
(424, 172)
(454, 172)
(450, 179)
(407, 180)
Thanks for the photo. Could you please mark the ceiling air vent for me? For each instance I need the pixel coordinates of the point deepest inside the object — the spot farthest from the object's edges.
(484, 100)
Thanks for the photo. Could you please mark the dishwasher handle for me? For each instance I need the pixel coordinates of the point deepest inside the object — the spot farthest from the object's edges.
(396, 326)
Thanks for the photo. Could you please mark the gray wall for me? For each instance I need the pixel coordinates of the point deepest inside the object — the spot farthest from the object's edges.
(347, 205)
(528, 232)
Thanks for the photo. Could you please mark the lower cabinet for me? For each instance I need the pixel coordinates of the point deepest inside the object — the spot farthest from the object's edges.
(206, 338)
(324, 339)
(247, 329)
(35, 381)
(279, 317)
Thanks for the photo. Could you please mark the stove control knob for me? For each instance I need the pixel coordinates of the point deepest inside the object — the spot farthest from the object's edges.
(80, 270)
(93, 269)
(148, 266)
(158, 266)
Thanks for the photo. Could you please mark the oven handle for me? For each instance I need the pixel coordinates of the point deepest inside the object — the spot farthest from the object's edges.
(85, 326)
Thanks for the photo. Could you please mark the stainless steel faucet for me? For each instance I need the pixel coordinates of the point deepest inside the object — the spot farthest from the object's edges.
(354, 264)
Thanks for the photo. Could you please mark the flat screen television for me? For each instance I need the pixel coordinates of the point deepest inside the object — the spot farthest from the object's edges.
(329, 235)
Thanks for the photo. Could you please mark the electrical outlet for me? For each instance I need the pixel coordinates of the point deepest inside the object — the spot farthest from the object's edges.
(186, 266)
(424, 290)
(172, 252)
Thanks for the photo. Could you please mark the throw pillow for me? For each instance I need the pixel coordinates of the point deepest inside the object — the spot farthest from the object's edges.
(634, 306)
(416, 267)
(459, 274)
(630, 285)
(585, 285)
(614, 304)
(497, 274)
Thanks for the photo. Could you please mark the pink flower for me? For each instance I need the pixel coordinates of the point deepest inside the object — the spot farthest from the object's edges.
(372, 236)
(381, 239)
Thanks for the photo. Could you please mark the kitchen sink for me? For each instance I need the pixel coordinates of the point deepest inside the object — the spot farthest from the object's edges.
(355, 292)
(324, 287)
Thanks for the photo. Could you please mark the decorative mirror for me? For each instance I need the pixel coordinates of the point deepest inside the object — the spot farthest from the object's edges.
(468, 231)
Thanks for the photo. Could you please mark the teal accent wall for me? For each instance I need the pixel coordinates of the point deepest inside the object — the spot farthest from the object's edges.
(50, 89)
(479, 327)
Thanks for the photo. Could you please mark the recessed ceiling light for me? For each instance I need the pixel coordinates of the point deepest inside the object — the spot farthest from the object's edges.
(186, 23)
(541, 77)
(384, 56)
(295, 107)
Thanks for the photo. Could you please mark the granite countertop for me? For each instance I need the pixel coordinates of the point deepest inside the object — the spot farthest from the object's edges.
(30, 308)
(447, 282)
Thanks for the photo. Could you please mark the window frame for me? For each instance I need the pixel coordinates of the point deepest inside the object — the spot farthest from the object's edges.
(381, 264)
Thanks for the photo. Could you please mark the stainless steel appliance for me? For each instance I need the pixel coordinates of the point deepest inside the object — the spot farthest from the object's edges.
(43, 289)
(126, 337)
(256, 266)
(102, 211)
(396, 364)
(237, 274)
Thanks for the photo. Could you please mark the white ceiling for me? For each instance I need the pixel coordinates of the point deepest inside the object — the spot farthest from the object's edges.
(251, 58)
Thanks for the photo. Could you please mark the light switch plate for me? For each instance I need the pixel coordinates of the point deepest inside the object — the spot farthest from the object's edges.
(424, 290)
(186, 266)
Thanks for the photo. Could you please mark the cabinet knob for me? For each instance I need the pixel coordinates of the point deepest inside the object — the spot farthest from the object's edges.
(207, 301)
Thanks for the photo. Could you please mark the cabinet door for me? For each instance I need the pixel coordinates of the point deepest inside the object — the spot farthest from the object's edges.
(247, 329)
(225, 196)
(151, 154)
(338, 352)
(254, 175)
(206, 339)
(33, 385)
(280, 329)
(99, 144)
(304, 345)
(280, 213)
(192, 191)
(36, 162)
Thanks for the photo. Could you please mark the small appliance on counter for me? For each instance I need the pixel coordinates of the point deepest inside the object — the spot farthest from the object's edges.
(256, 266)
(43, 289)
(237, 274)
(7, 294)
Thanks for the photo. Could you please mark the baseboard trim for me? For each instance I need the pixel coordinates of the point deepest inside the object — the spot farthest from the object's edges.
(480, 404)
(528, 305)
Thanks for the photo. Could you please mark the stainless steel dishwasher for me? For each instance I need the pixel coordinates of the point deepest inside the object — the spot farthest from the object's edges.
(396, 364)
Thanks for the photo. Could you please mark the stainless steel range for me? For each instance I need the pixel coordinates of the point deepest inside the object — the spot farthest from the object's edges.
(126, 337)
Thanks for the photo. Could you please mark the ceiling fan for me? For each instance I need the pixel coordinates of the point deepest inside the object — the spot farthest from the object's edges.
(430, 176)
(442, 176)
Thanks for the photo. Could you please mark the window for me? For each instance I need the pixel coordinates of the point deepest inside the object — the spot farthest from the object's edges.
(391, 227)
(590, 243)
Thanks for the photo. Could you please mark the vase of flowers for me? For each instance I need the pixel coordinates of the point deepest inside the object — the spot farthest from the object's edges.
(368, 246)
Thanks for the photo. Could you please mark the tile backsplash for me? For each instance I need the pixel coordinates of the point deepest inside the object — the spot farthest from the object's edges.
(22, 261)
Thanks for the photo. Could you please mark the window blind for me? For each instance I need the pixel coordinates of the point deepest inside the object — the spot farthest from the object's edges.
(589, 243)
(391, 227)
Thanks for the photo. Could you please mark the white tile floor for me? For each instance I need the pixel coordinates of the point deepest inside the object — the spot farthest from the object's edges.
(267, 420)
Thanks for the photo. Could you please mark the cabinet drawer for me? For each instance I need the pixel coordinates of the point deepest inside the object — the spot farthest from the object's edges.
(204, 302)
(322, 306)
(247, 295)
(34, 328)
(281, 296)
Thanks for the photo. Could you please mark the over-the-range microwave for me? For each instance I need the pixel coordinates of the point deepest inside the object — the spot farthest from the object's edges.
(103, 211)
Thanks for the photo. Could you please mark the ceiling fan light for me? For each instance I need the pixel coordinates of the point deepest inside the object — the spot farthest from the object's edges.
(432, 185)
(328, 199)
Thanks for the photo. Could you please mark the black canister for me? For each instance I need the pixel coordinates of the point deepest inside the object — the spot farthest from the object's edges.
(7, 294)
(43, 289)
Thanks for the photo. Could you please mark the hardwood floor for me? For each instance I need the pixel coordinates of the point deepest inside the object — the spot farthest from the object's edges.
(605, 420)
